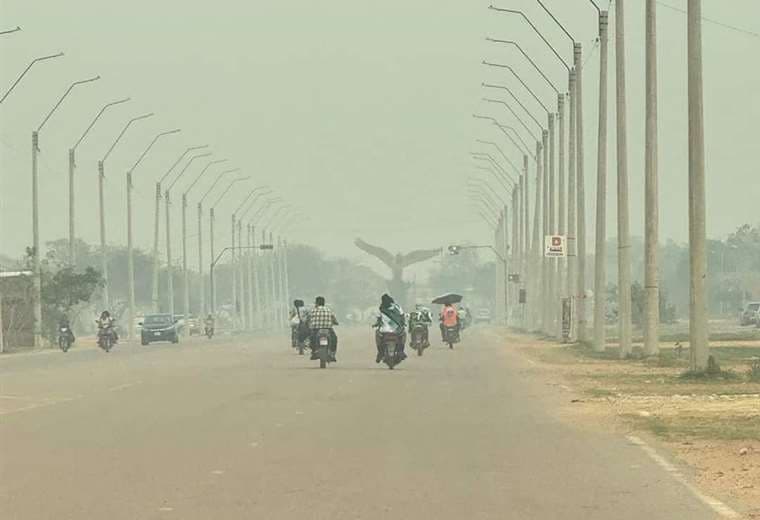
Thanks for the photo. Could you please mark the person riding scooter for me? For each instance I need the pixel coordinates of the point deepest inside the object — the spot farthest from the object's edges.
(209, 325)
(449, 319)
(107, 325)
(390, 320)
(321, 317)
(420, 316)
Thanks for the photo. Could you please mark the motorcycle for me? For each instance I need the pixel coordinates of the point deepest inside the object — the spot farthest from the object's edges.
(419, 343)
(391, 345)
(451, 336)
(209, 332)
(65, 338)
(323, 347)
(106, 338)
(297, 341)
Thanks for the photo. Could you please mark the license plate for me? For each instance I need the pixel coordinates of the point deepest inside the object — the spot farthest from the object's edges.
(323, 342)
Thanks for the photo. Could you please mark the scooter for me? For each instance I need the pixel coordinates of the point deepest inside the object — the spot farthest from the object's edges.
(106, 338)
(451, 336)
(419, 343)
(65, 338)
(391, 345)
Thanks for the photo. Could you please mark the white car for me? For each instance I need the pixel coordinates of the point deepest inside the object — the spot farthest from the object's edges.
(483, 316)
(750, 315)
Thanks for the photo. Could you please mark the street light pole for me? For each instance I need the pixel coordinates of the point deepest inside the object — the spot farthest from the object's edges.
(169, 268)
(600, 250)
(186, 271)
(101, 206)
(156, 226)
(212, 235)
(624, 233)
(130, 248)
(202, 283)
(37, 263)
(698, 327)
(72, 168)
(21, 76)
(652, 210)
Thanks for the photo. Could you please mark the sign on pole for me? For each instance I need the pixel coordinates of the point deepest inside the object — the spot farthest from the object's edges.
(554, 246)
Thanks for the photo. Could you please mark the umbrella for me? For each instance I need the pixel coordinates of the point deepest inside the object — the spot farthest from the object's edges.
(448, 298)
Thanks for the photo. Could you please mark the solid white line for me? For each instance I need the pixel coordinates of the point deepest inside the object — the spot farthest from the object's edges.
(124, 386)
(43, 404)
(719, 507)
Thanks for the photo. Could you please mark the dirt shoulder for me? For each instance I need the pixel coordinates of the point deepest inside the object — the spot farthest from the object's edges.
(712, 424)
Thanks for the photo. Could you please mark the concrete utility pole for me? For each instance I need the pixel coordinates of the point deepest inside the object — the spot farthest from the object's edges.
(202, 282)
(581, 192)
(169, 263)
(698, 327)
(624, 233)
(545, 264)
(130, 249)
(652, 209)
(249, 275)
(72, 187)
(527, 259)
(572, 222)
(212, 235)
(600, 251)
(156, 225)
(553, 293)
(185, 269)
(36, 250)
(101, 180)
(561, 211)
(275, 296)
(536, 249)
(169, 270)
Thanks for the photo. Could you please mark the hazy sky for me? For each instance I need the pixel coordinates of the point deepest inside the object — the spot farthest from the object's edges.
(358, 112)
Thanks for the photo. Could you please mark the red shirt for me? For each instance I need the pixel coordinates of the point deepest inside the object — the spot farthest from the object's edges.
(449, 316)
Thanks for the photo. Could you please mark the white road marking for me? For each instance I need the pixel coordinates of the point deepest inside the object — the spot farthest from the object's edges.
(124, 386)
(719, 507)
(43, 404)
(254, 445)
(217, 472)
(299, 412)
(531, 361)
(165, 509)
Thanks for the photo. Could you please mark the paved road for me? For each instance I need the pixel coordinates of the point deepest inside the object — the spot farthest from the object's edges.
(235, 429)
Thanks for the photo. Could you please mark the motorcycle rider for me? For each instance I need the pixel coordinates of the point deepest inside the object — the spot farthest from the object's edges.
(64, 327)
(208, 323)
(107, 323)
(299, 329)
(390, 319)
(449, 318)
(421, 316)
(322, 317)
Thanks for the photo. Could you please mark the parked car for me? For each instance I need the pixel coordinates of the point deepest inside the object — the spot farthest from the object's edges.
(483, 316)
(750, 315)
(159, 327)
(194, 325)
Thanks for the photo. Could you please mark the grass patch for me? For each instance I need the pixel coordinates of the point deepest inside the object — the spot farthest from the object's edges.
(683, 427)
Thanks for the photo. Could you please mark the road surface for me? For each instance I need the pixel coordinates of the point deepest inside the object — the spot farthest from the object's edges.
(245, 428)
